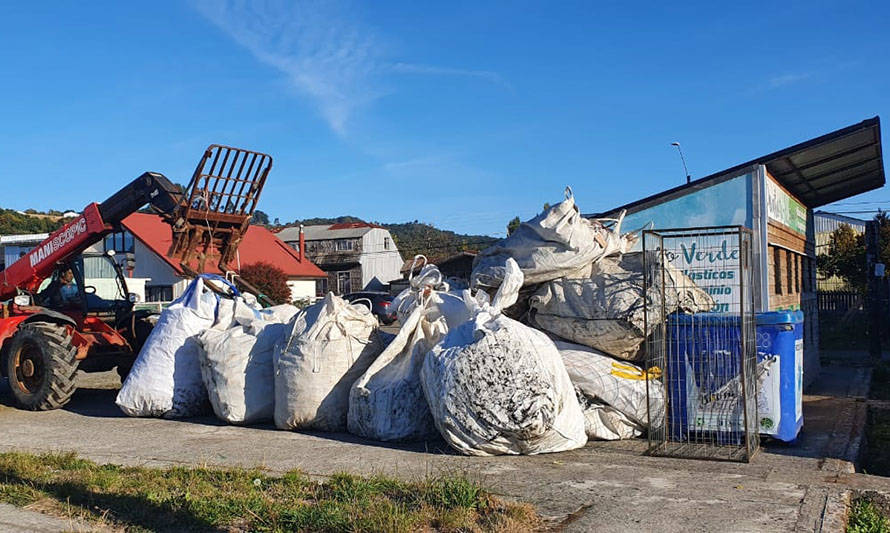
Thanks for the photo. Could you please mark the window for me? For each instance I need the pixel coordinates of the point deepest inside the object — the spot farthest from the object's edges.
(344, 284)
(344, 245)
(121, 242)
(159, 293)
(789, 272)
(386, 243)
(777, 269)
(321, 287)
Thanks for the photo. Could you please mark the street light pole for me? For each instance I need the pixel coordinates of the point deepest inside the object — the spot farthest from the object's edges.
(683, 159)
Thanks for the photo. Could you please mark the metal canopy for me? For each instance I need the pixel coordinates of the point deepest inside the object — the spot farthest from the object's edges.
(820, 171)
(835, 166)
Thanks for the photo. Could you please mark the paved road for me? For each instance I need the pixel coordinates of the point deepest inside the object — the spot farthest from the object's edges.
(602, 487)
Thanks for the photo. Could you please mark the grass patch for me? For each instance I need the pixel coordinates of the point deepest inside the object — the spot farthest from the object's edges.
(865, 517)
(201, 499)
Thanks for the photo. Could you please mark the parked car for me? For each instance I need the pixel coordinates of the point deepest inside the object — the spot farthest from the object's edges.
(380, 304)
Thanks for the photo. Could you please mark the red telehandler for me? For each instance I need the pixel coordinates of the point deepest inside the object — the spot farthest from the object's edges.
(47, 335)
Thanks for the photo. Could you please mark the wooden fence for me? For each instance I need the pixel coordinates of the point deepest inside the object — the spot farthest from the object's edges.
(840, 301)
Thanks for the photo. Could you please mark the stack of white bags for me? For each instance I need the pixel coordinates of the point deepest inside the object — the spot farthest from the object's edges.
(459, 367)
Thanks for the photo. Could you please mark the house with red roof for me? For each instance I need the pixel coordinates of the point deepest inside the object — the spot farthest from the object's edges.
(147, 238)
(355, 256)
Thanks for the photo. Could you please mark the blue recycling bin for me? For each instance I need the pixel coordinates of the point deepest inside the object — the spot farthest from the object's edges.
(702, 358)
(702, 363)
(780, 389)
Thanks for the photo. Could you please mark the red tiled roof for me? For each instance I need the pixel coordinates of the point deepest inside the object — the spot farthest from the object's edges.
(353, 225)
(259, 244)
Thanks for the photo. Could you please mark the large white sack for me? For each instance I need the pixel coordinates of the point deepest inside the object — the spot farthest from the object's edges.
(166, 377)
(604, 422)
(551, 245)
(387, 402)
(495, 386)
(603, 305)
(330, 344)
(236, 365)
(617, 384)
(429, 288)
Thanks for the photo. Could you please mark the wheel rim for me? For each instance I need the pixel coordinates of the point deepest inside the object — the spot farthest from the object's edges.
(28, 367)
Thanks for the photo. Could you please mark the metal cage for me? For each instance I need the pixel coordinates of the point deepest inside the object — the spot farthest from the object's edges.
(706, 403)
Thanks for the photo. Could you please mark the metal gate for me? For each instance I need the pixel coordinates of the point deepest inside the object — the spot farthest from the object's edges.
(706, 404)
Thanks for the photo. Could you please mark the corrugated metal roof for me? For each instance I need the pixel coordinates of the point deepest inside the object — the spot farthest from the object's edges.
(323, 232)
(826, 222)
(27, 238)
(820, 171)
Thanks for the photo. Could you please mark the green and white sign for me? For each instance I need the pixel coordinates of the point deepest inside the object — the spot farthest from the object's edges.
(784, 209)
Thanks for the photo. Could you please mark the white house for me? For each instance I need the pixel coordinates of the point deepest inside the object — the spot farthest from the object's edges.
(356, 256)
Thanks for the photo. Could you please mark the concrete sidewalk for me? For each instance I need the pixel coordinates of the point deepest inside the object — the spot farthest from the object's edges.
(604, 486)
(15, 520)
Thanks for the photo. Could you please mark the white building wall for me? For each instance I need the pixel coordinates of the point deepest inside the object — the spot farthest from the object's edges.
(377, 261)
(149, 265)
(301, 289)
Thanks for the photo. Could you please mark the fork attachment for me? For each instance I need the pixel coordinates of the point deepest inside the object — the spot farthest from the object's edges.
(217, 205)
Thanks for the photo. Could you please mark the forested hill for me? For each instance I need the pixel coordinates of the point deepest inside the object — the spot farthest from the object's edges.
(414, 238)
(12, 222)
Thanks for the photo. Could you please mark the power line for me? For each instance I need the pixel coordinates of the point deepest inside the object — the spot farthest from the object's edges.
(859, 212)
(864, 203)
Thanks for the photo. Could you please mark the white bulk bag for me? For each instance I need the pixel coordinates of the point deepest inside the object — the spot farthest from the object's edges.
(617, 384)
(603, 305)
(495, 386)
(604, 422)
(551, 245)
(236, 365)
(387, 402)
(329, 346)
(166, 377)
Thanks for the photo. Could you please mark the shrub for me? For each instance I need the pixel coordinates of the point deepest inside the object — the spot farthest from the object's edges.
(269, 279)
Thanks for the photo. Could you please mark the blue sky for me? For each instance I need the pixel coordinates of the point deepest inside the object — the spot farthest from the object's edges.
(461, 114)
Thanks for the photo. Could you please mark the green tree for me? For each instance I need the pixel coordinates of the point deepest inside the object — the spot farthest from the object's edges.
(260, 218)
(513, 225)
(846, 252)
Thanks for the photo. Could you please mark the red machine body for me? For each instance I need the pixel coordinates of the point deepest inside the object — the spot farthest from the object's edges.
(43, 345)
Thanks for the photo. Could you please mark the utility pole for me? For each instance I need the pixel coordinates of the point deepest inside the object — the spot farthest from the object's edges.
(874, 285)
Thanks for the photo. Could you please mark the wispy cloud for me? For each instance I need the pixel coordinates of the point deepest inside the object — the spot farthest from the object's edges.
(322, 48)
(324, 54)
(787, 79)
(487, 75)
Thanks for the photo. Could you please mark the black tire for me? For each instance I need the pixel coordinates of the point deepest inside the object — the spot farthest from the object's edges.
(41, 365)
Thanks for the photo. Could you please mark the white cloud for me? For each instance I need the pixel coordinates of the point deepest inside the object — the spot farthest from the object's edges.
(487, 75)
(324, 51)
(786, 79)
(324, 54)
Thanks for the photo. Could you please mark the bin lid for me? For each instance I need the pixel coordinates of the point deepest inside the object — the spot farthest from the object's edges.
(772, 318)
(769, 318)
